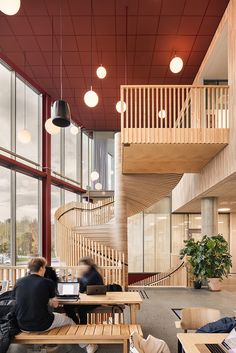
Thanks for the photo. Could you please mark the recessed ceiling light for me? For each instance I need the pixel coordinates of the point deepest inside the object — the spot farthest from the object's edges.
(224, 209)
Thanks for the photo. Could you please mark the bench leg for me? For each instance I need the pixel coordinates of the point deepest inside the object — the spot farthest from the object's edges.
(125, 346)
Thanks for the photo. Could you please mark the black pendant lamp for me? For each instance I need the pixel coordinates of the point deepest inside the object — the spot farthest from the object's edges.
(61, 110)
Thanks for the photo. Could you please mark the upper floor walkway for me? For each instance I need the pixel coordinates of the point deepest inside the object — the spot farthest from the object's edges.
(173, 128)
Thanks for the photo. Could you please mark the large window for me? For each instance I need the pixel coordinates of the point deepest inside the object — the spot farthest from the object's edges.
(5, 107)
(28, 116)
(5, 216)
(27, 218)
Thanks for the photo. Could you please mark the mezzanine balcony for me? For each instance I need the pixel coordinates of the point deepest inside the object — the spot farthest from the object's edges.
(173, 129)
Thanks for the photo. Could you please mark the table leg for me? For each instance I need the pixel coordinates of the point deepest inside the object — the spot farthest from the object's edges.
(133, 313)
(125, 346)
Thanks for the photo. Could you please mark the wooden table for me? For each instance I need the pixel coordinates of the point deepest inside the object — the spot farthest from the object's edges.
(190, 340)
(132, 299)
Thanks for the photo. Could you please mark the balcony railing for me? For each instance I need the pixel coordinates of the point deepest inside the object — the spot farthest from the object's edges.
(175, 114)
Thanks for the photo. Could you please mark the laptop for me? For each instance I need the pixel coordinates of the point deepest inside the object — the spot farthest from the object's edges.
(68, 291)
(96, 289)
(227, 346)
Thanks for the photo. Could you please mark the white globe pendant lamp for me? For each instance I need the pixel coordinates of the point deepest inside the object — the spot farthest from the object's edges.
(98, 186)
(10, 7)
(162, 114)
(176, 65)
(51, 128)
(121, 107)
(101, 72)
(91, 98)
(94, 176)
(74, 130)
(24, 136)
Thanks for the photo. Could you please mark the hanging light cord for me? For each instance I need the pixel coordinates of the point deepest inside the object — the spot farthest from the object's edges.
(61, 52)
(24, 93)
(126, 42)
(91, 43)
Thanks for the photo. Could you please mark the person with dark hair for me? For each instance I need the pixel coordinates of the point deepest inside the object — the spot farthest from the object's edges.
(50, 273)
(89, 275)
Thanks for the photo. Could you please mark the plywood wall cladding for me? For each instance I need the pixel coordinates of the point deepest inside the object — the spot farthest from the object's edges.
(143, 190)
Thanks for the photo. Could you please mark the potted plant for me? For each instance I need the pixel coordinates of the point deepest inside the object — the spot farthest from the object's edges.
(191, 252)
(215, 260)
(209, 259)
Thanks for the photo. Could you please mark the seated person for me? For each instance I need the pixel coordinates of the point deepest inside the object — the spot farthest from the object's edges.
(34, 294)
(50, 273)
(89, 275)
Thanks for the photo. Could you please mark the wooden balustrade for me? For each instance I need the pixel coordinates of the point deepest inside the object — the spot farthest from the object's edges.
(65, 273)
(71, 245)
(174, 114)
(175, 277)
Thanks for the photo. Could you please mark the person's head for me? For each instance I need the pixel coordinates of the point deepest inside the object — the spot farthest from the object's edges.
(37, 266)
(87, 264)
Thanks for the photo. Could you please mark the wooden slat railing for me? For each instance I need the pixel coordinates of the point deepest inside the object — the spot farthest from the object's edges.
(71, 245)
(66, 273)
(174, 114)
(176, 277)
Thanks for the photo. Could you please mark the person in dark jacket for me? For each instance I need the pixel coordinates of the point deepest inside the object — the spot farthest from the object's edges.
(89, 275)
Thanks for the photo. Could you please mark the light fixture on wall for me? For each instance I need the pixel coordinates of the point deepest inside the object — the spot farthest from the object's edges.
(24, 135)
(10, 7)
(91, 98)
(94, 176)
(176, 65)
(101, 72)
(162, 114)
(98, 186)
(61, 109)
(121, 106)
(224, 209)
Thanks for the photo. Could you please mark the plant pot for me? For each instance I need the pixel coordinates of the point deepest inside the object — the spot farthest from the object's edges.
(214, 284)
(197, 284)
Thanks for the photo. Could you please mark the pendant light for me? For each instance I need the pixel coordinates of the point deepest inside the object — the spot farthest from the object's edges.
(24, 135)
(94, 176)
(61, 109)
(91, 98)
(98, 186)
(10, 7)
(101, 71)
(121, 106)
(49, 126)
(162, 114)
(176, 65)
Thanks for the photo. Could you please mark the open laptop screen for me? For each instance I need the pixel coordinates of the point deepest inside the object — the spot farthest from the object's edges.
(68, 288)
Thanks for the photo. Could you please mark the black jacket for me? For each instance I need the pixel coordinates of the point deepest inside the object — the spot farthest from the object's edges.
(92, 277)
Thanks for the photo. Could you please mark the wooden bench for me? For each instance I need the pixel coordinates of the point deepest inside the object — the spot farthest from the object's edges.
(75, 334)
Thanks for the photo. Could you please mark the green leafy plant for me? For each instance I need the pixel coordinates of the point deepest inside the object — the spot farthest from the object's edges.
(208, 257)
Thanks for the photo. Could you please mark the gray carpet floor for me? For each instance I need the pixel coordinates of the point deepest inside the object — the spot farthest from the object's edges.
(157, 318)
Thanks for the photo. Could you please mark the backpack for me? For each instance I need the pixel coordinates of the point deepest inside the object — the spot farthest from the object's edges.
(114, 288)
(8, 329)
(224, 325)
(7, 303)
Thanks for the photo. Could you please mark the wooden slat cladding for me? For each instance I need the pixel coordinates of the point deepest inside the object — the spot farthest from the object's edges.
(175, 114)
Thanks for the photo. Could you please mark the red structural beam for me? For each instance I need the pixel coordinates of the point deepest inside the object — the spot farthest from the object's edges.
(20, 167)
(67, 186)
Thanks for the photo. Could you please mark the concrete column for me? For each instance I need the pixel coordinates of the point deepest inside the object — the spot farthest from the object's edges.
(209, 213)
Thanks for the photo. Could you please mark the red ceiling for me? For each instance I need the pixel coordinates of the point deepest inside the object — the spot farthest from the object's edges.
(156, 30)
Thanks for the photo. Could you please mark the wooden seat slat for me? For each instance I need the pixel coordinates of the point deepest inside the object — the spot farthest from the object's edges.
(81, 330)
(54, 331)
(107, 330)
(90, 330)
(63, 330)
(115, 330)
(72, 330)
(125, 330)
(99, 330)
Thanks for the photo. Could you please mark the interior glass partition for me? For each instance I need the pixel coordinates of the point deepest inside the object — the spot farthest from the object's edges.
(5, 216)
